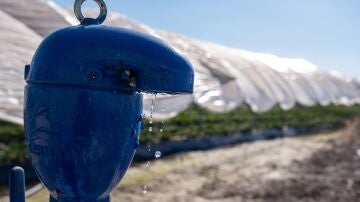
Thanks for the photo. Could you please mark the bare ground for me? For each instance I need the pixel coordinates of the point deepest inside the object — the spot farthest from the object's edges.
(321, 168)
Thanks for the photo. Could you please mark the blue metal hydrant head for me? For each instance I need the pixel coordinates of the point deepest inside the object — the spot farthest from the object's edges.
(83, 104)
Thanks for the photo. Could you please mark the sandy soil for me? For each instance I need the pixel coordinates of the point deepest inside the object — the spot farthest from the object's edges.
(321, 168)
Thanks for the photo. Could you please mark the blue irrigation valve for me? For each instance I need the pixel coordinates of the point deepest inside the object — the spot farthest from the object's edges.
(83, 103)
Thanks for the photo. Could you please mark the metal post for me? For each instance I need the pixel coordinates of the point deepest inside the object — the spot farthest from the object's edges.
(17, 184)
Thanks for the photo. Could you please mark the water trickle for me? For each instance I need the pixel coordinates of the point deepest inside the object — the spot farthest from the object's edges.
(157, 154)
(162, 127)
(152, 107)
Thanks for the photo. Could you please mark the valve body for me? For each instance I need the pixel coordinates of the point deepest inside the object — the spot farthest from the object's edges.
(83, 104)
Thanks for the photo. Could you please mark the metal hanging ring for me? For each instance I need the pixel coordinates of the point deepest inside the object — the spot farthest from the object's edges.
(79, 15)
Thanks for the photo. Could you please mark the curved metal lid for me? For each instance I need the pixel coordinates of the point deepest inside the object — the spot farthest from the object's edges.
(110, 58)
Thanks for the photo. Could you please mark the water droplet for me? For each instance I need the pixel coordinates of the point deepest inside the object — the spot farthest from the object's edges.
(153, 102)
(145, 189)
(148, 164)
(157, 154)
(162, 127)
(152, 111)
(358, 152)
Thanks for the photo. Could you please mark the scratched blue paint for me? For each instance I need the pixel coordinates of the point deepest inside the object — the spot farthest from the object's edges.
(83, 105)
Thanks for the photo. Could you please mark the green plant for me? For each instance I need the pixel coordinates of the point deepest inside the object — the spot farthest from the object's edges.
(13, 153)
(197, 122)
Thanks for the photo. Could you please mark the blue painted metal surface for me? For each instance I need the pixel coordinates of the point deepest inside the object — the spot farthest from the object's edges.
(83, 104)
(72, 56)
(17, 185)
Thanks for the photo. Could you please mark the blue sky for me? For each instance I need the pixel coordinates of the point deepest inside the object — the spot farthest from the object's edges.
(325, 32)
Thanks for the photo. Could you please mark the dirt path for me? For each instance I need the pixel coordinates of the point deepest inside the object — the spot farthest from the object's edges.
(324, 167)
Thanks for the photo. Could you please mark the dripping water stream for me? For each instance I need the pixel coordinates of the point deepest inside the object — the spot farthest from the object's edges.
(145, 188)
(157, 154)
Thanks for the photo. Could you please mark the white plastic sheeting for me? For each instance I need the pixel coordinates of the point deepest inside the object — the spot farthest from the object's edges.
(225, 78)
(17, 45)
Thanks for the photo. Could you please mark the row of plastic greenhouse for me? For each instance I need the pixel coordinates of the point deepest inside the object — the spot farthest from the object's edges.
(225, 78)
